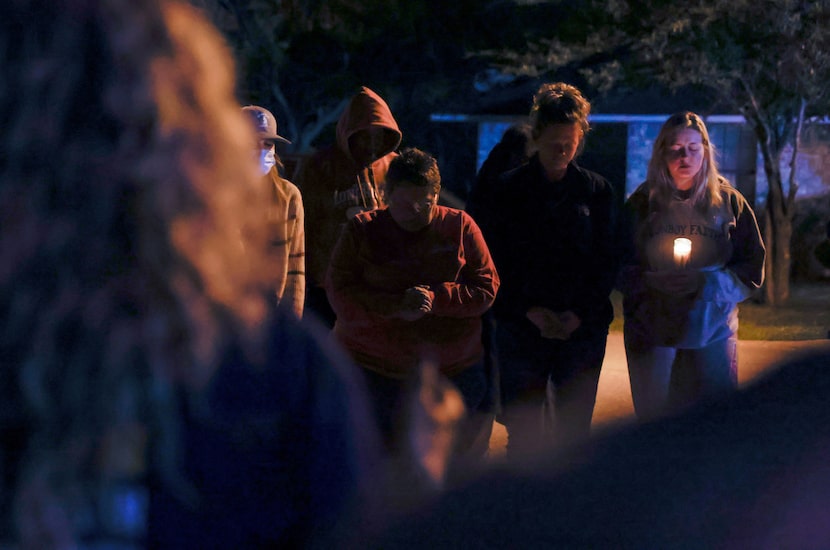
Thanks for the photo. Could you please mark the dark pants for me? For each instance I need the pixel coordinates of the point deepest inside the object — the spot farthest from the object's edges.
(317, 303)
(491, 404)
(549, 386)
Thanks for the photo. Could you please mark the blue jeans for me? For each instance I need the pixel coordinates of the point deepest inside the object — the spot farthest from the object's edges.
(665, 380)
(549, 387)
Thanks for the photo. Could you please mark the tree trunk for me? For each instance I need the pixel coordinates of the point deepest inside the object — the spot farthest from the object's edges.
(778, 230)
(779, 216)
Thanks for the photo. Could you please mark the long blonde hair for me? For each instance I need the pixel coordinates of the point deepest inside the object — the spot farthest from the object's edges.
(132, 236)
(706, 185)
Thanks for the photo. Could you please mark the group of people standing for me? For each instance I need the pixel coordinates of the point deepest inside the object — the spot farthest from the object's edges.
(405, 281)
(562, 241)
(159, 387)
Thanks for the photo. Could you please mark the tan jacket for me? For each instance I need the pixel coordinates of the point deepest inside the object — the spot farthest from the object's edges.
(286, 227)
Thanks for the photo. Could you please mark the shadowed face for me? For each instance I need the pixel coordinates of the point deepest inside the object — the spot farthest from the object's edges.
(557, 145)
(411, 206)
(684, 157)
(367, 145)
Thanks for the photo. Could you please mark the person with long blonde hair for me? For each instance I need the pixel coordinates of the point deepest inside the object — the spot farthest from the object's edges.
(152, 393)
(693, 252)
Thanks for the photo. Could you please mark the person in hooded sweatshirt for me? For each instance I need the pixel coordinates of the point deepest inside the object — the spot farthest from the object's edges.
(342, 180)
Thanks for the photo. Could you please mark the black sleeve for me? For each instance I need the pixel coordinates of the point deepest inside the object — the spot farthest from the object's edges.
(600, 273)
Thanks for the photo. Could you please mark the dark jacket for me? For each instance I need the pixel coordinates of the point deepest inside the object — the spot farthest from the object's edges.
(554, 244)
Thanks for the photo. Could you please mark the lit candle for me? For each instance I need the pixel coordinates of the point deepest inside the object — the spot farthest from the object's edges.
(682, 251)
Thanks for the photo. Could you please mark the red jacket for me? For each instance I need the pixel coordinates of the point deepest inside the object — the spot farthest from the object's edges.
(375, 261)
(334, 185)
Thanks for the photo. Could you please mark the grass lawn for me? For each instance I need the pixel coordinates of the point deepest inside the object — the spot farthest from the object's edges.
(805, 317)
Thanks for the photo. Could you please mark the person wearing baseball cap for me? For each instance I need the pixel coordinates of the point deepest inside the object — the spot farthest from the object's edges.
(286, 216)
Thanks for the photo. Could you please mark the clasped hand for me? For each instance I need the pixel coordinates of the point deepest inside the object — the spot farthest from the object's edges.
(417, 302)
(679, 282)
(553, 325)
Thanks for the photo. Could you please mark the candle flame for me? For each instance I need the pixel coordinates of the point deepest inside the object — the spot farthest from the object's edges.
(682, 251)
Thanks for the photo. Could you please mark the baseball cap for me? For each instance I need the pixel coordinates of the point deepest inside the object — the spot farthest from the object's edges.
(264, 123)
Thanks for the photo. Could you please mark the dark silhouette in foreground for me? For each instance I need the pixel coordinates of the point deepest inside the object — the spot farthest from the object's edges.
(153, 395)
(743, 470)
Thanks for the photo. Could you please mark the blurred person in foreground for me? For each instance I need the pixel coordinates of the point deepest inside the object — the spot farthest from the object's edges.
(285, 216)
(153, 395)
(693, 251)
(344, 179)
(552, 228)
(409, 284)
(744, 469)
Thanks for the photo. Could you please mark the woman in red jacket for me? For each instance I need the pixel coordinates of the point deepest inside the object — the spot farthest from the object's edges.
(409, 283)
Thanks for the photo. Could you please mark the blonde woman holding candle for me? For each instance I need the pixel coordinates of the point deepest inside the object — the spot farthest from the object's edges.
(693, 252)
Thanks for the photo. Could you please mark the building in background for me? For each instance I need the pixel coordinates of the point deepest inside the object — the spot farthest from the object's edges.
(628, 139)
